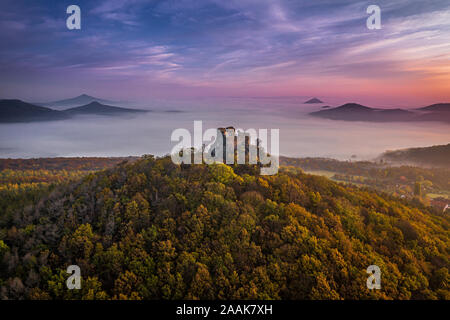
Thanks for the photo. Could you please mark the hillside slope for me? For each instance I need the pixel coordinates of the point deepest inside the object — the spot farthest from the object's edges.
(76, 101)
(435, 156)
(100, 109)
(357, 112)
(439, 107)
(155, 230)
(20, 111)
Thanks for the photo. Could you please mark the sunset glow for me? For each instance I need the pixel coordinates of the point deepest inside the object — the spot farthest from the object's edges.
(145, 49)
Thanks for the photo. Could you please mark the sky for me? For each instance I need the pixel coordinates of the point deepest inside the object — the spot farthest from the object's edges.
(136, 49)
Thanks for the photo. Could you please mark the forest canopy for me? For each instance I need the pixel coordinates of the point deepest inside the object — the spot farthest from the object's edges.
(151, 229)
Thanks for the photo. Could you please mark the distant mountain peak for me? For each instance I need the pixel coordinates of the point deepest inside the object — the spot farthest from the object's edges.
(352, 106)
(82, 99)
(314, 100)
(94, 103)
(14, 110)
(357, 112)
(443, 107)
(86, 96)
(96, 107)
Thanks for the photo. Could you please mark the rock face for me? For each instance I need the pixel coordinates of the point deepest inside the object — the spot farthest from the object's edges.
(247, 148)
(313, 100)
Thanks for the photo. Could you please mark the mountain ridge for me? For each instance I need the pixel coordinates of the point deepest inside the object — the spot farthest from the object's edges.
(434, 156)
(151, 229)
(14, 110)
(441, 107)
(313, 100)
(357, 112)
(98, 108)
(80, 100)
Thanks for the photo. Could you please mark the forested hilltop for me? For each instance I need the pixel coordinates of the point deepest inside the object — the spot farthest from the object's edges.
(427, 185)
(151, 229)
(435, 156)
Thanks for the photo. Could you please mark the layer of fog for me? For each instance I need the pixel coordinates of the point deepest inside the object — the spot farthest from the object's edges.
(300, 134)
